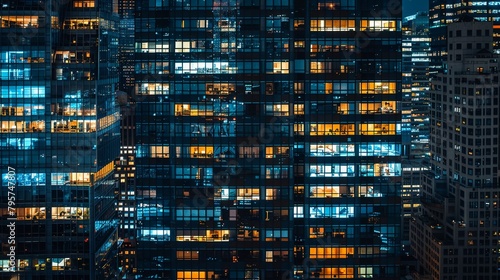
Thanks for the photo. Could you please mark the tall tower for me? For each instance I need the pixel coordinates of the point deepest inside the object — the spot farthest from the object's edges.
(59, 138)
(456, 237)
(415, 113)
(268, 139)
(443, 12)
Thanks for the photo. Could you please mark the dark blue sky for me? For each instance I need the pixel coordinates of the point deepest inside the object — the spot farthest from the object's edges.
(410, 7)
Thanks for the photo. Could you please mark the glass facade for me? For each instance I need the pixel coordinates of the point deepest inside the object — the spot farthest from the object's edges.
(268, 139)
(59, 138)
(415, 113)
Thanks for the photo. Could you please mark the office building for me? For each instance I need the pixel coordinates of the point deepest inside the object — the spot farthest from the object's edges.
(415, 112)
(60, 132)
(268, 139)
(443, 12)
(125, 167)
(456, 236)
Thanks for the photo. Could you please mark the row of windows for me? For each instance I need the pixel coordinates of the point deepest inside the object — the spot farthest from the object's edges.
(349, 129)
(39, 179)
(277, 67)
(46, 264)
(272, 25)
(316, 150)
(338, 87)
(58, 213)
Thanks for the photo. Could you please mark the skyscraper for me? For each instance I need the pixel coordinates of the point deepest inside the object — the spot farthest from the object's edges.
(456, 237)
(268, 139)
(125, 167)
(59, 138)
(415, 112)
(443, 12)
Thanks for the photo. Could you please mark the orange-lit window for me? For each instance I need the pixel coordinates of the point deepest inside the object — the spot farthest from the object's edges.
(201, 151)
(316, 232)
(377, 129)
(378, 25)
(160, 152)
(377, 88)
(19, 21)
(332, 25)
(332, 129)
(335, 272)
(330, 252)
(194, 275)
(386, 107)
(84, 4)
(187, 255)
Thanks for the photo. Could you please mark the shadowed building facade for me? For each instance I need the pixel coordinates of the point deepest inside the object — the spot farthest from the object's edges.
(456, 234)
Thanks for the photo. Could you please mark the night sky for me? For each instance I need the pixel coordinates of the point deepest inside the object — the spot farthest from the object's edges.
(410, 7)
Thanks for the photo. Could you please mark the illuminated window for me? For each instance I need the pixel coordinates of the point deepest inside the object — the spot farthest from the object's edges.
(298, 128)
(333, 25)
(25, 213)
(22, 126)
(248, 194)
(73, 126)
(202, 23)
(19, 21)
(321, 67)
(377, 88)
(187, 255)
(378, 129)
(219, 88)
(316, 232)
(298, 88)
(72, 178)
(84, 4)
(87, 23)
(194, 275)
(152, 88)
(298, 109)
(328, 6)
(159, 151)
(330, 252)
(332, 129)
(335, 272)
(328, 150)
(298, 24)
(277, 110)
(380, 169)
(277, 151)
(280, 67)
(197, 109)
(203, 235)
(71, 213)
(201, 151)
(329, 191)
(182, 46)
(378, 25)
(379, 149)
(153, 47)
(365, 272)
(271, 194)
(385, 107)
